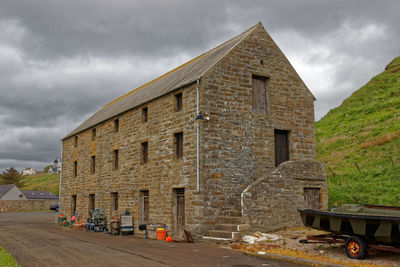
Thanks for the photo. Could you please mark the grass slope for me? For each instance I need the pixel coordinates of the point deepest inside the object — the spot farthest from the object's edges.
(6, 259)
(364, 129)
(42, 182)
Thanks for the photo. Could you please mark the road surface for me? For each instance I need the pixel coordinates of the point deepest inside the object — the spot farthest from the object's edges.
(35, 240)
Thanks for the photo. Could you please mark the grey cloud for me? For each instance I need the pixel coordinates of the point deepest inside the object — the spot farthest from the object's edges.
(61, 61)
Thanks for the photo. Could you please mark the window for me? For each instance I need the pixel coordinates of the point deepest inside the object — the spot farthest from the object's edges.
(259, 94)
(76, 141)
(281, 146)
(92, 202)
(144, 206)
(145, 152)
(93, 134)
(114, 201)
(178, 145)
(116, 159)
(73, 204)
(116, 125)
(93, 165)
(75, 168)
(178, 102)
(145, 114)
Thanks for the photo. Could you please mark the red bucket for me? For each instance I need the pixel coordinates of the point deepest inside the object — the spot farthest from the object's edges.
(161, 234)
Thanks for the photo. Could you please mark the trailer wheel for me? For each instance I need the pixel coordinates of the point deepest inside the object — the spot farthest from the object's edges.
(356, 248)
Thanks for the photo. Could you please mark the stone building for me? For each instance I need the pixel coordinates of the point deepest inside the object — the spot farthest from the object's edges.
(221, 144)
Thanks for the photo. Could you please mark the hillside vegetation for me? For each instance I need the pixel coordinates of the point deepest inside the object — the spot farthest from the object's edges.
(364, 130)
(42, 182)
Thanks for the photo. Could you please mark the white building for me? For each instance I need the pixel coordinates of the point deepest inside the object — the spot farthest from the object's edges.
(29, 171)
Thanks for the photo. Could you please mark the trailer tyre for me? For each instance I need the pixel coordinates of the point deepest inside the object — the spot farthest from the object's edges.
(356, 248)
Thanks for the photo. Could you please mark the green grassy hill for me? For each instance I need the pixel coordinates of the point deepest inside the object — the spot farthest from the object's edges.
(42, 182)
(364, 129)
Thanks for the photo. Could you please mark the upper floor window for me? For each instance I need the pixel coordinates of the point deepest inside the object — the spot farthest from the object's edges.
(178, 102)
(93, 134)
(116, 125)
(116, 152)
(178, 145)
(282, 149)
(75, 168)
(93, 164)
(259, 94)
(145, 152)
(76, 141)
(145, 114)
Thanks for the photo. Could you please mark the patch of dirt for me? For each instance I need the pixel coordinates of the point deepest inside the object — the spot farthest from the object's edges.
(289, 245)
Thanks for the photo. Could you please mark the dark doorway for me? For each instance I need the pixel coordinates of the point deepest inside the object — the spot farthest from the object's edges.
(114, 201)
(179, 212)
(91, 202)
(281, 146)
(144, 206)
(312, 198)
(73, 204)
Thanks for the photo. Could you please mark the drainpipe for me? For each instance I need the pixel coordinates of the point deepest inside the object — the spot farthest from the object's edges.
(59, 190)
(198, 118)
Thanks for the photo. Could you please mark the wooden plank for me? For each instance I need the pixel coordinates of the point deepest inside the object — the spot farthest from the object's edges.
(259, 95)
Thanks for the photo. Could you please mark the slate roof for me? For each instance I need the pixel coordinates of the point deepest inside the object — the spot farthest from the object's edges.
(32, 194)
(170, 81)
(5, 188)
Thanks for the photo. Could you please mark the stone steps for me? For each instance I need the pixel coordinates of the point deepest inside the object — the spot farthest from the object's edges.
(231, 220)
(220, 234)
(228, 229)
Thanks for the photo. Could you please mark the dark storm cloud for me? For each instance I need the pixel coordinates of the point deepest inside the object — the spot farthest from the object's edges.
(62, 60)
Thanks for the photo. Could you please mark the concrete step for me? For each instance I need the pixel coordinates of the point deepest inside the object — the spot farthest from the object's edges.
(220, 234)
(217, 240)
(231, 220)
(226, 227)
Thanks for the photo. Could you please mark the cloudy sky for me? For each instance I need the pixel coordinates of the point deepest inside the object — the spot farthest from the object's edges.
(62, 60)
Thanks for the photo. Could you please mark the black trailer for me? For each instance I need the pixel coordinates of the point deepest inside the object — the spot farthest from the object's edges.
(358, 227)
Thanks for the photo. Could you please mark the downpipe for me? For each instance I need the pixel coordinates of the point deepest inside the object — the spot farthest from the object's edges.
(198, 118)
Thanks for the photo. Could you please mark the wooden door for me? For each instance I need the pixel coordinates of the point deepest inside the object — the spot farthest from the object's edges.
(312, 198)
(144, 207)
(180, 213)
(281, 146)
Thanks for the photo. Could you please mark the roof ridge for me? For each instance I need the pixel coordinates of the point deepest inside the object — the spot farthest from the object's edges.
(178, 77)
(186, 63)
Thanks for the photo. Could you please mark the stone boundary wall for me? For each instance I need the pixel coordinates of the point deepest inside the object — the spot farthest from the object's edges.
(271, 203)
(25, 205)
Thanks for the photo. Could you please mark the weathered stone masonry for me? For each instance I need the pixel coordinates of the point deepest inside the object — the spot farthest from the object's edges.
(237, 144)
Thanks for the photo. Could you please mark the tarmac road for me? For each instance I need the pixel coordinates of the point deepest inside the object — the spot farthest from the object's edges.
(35, 240)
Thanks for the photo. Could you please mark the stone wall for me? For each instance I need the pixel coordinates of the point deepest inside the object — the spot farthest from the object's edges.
(271, 203)
(25, 205)
(238, 143)
(160, 175)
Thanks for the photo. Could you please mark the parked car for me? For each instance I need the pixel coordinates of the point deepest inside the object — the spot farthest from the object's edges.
(55, 207)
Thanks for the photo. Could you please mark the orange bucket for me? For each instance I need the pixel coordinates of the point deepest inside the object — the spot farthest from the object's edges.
(161, 234)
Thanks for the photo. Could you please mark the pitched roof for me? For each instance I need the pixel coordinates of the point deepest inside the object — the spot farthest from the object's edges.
(170, 81)
(32, 194)
(5, 188)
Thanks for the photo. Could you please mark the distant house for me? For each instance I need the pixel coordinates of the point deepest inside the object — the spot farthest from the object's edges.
(11, 192)
(29, 171)
(55, 168)
(32, 194)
